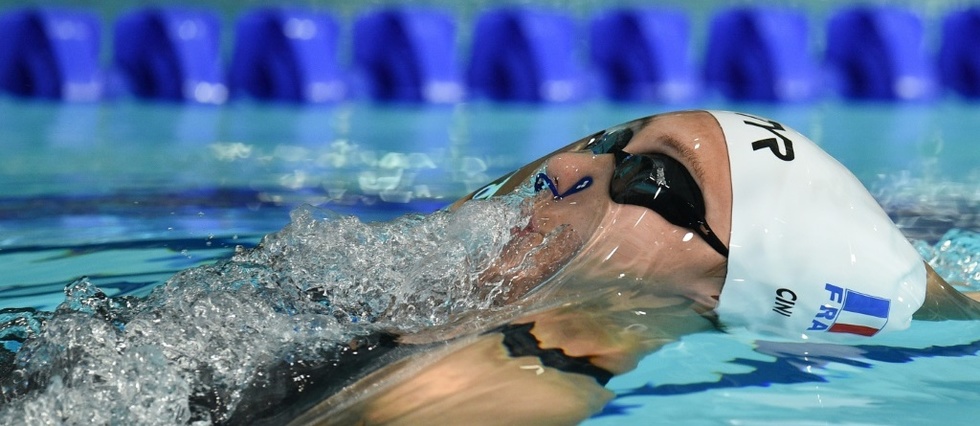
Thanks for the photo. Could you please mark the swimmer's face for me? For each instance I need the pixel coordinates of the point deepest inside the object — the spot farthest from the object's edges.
(628, 242)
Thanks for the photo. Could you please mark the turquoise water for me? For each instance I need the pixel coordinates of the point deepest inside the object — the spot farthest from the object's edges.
(127, 194)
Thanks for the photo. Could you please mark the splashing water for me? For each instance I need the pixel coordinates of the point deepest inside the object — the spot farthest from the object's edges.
(956, 257)
(925, 208)
(185, 353)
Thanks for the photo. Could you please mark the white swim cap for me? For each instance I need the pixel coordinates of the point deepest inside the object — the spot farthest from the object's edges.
(812, 254)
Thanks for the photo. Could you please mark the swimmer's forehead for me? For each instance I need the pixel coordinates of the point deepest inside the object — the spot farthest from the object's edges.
(658, 131)
(692, 137)
(696, 140)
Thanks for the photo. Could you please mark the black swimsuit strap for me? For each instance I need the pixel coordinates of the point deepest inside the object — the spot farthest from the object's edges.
(520, 342)
(285, 390)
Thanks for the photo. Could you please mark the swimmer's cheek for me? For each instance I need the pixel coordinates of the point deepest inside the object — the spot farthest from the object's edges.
(482, 385)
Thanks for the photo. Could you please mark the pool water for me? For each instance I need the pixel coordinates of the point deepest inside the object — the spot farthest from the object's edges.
(127, 194)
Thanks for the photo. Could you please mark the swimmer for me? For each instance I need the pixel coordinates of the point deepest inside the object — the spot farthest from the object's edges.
(667, 225)
(627, 240)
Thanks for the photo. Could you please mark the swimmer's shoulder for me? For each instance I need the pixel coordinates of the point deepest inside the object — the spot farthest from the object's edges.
(945, 302)
(547, 367)
(475, 381)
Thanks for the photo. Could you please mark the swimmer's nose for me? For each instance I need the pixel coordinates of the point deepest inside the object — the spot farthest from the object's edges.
(571, 173)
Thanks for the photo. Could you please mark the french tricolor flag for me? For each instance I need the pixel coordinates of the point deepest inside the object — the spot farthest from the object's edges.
(861, 314)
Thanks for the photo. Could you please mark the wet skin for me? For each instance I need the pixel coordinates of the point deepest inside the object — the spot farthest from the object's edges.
(599, 280)
(605, 244)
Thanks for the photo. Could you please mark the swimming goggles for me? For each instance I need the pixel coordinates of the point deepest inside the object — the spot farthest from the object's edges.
(657, 182)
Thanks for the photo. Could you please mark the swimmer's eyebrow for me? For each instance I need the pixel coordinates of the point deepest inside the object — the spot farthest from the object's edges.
(688, 157)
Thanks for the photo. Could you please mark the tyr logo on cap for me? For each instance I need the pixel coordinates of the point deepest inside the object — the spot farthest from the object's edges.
(786, 154)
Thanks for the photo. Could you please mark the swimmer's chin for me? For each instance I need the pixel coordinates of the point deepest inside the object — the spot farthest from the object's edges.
(527, 261)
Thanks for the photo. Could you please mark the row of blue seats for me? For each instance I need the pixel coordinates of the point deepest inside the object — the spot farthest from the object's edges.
(517, 54)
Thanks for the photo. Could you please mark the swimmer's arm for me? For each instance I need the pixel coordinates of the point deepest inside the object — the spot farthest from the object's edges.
(943, 302)
(480, 382)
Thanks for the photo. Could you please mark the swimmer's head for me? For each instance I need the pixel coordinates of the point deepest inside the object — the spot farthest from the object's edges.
(667, 236)
(812, 253)
(713, 206)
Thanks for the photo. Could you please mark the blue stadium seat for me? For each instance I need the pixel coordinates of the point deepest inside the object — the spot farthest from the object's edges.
(170, 54)
(524, 54)
(959, 54)
(408, 55)
(50, 54)
(877, 53)
(760, 54)
(286, 55)
(643, 54)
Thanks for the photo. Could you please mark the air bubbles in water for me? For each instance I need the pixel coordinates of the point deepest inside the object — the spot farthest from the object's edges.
(956, 258)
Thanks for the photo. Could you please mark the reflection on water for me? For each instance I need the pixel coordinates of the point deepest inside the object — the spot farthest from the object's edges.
(399, 153)
(59, 148)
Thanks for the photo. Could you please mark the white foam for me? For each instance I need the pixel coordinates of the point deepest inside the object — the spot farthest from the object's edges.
(187, 351)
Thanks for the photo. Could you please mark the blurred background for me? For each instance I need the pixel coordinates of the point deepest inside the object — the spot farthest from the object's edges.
(814, 43)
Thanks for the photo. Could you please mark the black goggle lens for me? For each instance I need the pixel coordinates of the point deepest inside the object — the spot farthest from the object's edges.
(611, 141)
(657, 182)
